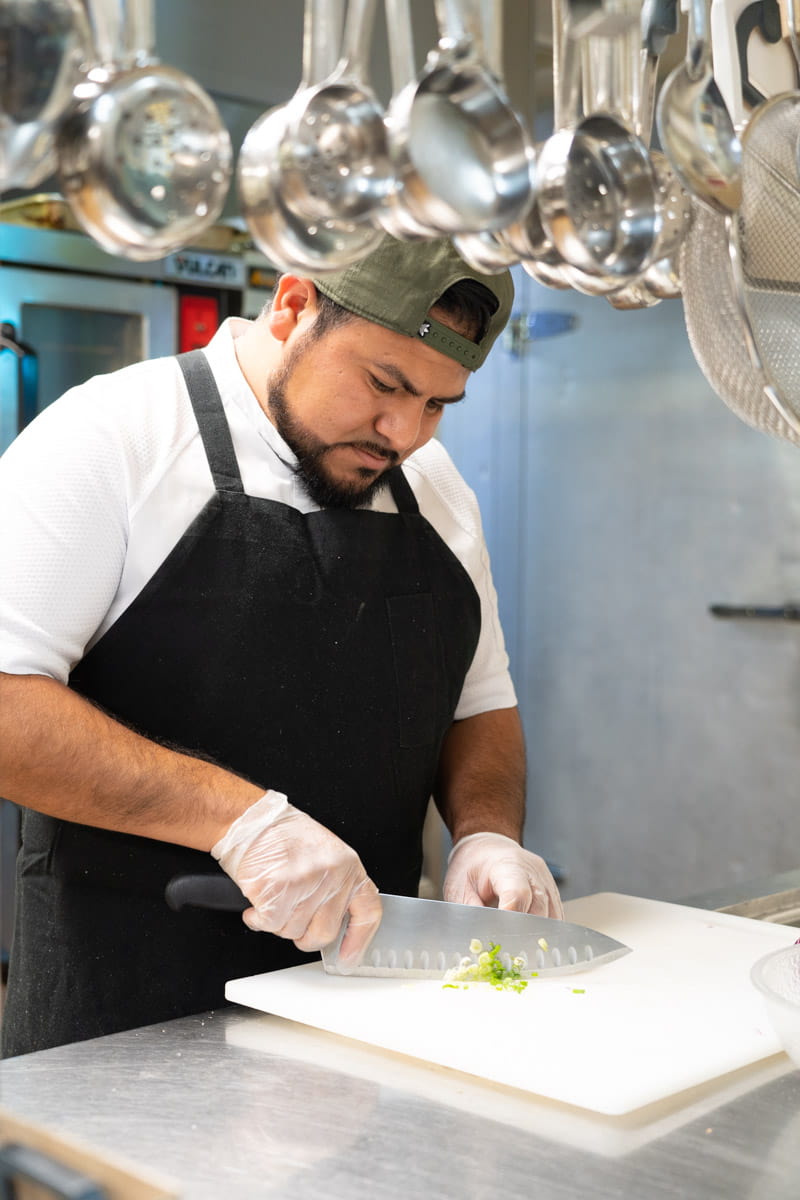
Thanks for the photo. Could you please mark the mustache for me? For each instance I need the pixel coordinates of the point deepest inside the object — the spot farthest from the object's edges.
(391, 456)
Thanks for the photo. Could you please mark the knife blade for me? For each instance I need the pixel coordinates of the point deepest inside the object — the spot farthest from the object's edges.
(421, 939)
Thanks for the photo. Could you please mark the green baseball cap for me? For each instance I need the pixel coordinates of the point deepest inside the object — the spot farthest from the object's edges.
(400, 282)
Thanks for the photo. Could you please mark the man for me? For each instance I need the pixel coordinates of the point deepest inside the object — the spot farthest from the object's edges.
(230, 622)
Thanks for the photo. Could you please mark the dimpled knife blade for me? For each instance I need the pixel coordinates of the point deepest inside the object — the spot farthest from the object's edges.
(421, 939)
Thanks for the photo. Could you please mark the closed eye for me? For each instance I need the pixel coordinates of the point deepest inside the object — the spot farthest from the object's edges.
(380, 386)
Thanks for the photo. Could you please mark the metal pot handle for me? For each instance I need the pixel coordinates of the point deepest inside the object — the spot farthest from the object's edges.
(27, 373)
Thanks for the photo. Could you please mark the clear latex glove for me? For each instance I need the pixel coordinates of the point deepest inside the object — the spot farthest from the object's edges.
(488, 869)
(300, 878)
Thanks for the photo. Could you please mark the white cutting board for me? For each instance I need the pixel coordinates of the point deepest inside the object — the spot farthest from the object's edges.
(678, 1011)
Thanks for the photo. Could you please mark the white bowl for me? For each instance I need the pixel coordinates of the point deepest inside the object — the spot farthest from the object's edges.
(777, 977)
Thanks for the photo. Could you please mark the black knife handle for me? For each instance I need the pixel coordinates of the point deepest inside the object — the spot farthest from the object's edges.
(205, 891)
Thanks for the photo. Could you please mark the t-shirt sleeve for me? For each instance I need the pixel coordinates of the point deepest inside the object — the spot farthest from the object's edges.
(63, 533)
(452, 508)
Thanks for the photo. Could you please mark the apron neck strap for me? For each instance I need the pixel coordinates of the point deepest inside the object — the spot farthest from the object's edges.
(211, 421)
(401, 491)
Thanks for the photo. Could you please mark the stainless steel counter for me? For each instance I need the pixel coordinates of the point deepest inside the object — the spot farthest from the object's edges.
(240, 1105)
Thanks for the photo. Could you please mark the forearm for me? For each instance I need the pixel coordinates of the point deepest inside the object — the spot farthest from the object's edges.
(480, 785)
(61, 755)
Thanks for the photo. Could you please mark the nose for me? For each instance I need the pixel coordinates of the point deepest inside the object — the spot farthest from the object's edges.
(399, 422)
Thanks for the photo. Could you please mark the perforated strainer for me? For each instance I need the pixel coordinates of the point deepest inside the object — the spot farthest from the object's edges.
(767, 231)
(334, 157)
(719, 330)
(144, 159)
(289, 241)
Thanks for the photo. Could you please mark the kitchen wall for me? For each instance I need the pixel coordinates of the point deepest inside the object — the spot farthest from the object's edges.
(621, 498)
(251, 49)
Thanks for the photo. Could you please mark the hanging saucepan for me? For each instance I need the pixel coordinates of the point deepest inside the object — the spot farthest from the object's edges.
(392, 215)
(662, 278)
(334, 157)
(291, 242)
(43, 46)
(609, 85)
(540, 258)
(659, 281)
(597, 189)
(489, 250)
(459, 150)
(526, 238)
(144, 158)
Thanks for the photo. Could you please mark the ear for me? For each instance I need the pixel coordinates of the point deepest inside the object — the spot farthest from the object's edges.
(295, 299)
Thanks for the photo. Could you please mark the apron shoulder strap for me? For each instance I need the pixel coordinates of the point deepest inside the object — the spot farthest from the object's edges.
(211, 421)
(401, 491)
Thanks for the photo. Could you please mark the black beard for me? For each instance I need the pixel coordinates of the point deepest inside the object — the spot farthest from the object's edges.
(310, 452)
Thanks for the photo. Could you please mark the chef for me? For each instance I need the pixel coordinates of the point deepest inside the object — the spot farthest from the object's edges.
(247, 624)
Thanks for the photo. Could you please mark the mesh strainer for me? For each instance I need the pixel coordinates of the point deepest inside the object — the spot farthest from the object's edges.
(767, 231)
(719, 330)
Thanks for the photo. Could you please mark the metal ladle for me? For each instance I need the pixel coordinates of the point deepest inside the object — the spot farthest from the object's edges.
(459, 150)
(334, 158)
(597, 190)
(694, 125)
(44, 44)
(144, 159)
(292, 242)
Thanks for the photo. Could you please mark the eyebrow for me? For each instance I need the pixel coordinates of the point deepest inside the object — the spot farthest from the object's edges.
(405, 383)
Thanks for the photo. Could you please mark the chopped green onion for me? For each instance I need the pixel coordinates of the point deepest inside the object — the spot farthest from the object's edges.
(487, 967)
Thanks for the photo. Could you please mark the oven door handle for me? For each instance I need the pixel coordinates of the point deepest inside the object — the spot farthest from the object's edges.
(27, 373)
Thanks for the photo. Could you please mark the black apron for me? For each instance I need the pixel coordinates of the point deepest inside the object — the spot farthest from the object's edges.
(322, 655)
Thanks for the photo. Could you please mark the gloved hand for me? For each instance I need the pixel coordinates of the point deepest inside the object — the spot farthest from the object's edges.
(300, 878)
(488, 868)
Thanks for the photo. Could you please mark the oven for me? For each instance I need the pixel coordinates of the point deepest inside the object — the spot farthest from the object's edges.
(69, 311)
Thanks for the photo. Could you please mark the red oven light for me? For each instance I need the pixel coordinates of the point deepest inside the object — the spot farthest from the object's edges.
(199, 318)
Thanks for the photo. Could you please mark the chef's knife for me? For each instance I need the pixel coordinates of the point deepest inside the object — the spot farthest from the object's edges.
(421, 939)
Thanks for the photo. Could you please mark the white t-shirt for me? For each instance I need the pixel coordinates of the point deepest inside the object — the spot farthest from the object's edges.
(99, 488)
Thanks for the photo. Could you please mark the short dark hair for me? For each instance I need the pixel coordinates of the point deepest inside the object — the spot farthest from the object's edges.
(471, 307)
(467, 302)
